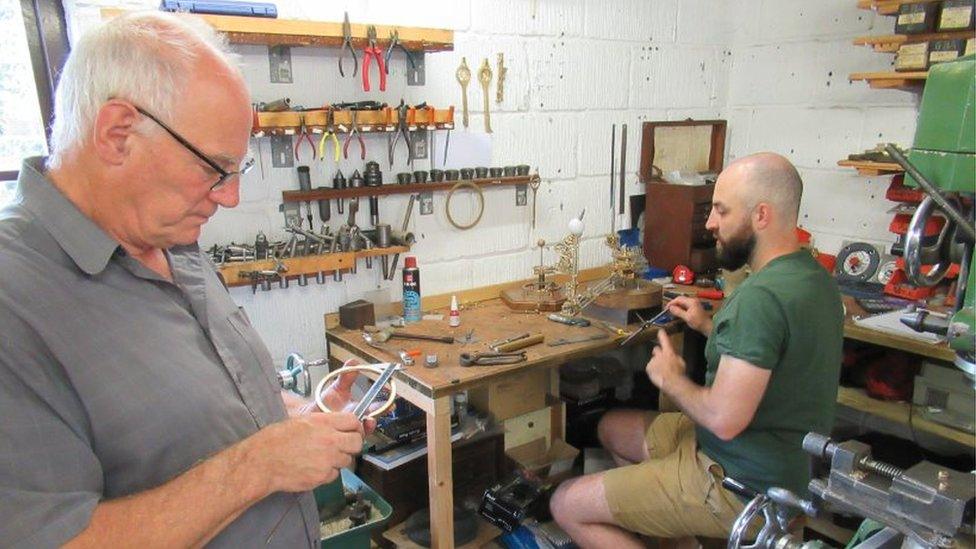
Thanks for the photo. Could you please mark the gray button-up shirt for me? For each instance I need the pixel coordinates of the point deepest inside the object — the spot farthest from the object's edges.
(114, 380)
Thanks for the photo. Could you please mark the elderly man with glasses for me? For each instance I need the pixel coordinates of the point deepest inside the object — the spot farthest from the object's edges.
(139, 406)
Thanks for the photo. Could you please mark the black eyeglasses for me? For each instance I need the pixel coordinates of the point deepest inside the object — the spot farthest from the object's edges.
(225, 176)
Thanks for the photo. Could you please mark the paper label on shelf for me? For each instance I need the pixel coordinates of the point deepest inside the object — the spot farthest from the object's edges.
(970, 46)
(955, 17)
(911, 18)
(940, 56)
(912, 56)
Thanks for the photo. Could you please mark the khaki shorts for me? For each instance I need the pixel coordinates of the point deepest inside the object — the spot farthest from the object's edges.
(677, 492)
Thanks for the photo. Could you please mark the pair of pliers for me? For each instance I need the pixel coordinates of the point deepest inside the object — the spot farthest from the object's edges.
(329, 134)
(354, 130)
(304, 135)
(369, 52)
(402, 128)
(395, 43)
(490, 358)
(347, 44)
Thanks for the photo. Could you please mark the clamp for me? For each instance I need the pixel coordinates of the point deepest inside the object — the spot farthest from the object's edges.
(329, 134)
(395, 43)
(402, 128)
(369, 52)
(491, 359)
(304, 135)
(347, 44)
(354, 130)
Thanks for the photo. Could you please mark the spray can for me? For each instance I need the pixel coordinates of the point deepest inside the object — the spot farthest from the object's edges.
(454, 320)
(411, 290)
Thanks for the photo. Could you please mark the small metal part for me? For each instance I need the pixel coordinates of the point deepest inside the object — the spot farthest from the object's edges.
(645, 324)
(430, 361)
(463, 75)
(484, 76)
(362, 407)
(279, 61)
(569, 320)
(491, 359)
(578, 339)
(500, 86)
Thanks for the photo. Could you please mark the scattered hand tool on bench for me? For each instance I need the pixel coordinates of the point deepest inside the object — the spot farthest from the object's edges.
(577, 339)
(383, 335)
(520, 343)
(569, 320)
(645, 324)
(491, 359)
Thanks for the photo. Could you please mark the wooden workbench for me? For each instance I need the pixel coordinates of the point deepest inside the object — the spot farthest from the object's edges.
(431, 389)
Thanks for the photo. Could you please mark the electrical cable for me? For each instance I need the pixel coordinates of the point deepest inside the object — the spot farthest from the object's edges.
(481, 199)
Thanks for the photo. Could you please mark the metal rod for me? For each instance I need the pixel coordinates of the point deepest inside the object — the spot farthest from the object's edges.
(623, 170)
(930, 188)
(613, 169)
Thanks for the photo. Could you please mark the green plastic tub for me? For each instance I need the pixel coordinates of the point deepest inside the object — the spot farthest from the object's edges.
(330, 496)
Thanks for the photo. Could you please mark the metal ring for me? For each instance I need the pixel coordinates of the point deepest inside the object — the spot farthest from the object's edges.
(321, 388)
(914, 249)
(481, 198)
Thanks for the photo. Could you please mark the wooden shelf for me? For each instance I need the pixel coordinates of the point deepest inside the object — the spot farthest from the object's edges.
(384, 120)
(293, 32)
(303, 265)
(900, 412)
(887, 7)
(866, 167)
(393, 188)
(889, 80)
(891, 42)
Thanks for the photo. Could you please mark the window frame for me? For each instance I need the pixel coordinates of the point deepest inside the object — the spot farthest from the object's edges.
(47, 41)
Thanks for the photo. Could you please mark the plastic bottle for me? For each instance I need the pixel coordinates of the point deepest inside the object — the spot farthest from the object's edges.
(411, 290)
(454, 320)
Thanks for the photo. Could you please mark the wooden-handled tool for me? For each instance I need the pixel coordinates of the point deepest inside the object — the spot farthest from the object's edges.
(520, 343)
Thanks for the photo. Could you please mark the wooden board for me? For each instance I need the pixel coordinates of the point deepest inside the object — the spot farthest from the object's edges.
(384, 120)
(890, 43)
(492, 320)
(294, 32)
(900, 412)
(888, 80)
(866, 167)
(308, 265)
(940, 351)
(392, 188)
(887, 7)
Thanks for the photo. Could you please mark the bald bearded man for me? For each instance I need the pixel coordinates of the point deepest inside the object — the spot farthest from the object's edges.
(773, 360)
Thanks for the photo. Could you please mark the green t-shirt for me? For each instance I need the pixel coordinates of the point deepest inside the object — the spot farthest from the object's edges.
(787, 318)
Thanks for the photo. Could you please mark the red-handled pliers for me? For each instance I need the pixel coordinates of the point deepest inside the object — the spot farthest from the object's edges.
(372, 51)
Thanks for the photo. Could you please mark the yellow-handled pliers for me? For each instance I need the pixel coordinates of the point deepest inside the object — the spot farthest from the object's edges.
(329, 134)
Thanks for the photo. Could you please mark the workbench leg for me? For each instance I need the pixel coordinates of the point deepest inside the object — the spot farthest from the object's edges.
(440, 474)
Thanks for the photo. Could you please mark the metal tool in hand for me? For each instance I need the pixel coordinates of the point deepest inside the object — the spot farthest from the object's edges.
(463, 75)
(534, 185)
(402, 128)
(491, 359)
(645, 324)
(329, 134)
(577, 339)
(395, 43)
(484, 76)
(347, 45)
(373, 52)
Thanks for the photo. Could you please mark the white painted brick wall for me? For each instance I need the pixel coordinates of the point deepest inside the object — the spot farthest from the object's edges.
(777, 70)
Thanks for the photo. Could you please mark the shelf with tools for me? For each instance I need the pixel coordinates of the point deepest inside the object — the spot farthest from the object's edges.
(888, 7)
(869, 168)
(892, 80)
(371, 120)
(393, 188)
(250, 273)
(294, 32)
(891, 42)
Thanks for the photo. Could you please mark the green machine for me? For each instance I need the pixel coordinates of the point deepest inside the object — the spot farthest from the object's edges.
(942, 161)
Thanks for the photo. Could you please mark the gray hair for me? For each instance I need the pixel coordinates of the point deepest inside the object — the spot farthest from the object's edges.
(144, 57)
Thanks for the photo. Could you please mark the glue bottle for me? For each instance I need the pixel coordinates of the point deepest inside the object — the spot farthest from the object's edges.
(411, 290)
(454, 320)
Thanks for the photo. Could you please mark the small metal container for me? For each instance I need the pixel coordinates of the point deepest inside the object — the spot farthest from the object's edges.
(509, 171)
(420, 176)
(522, 169)
(495, 172)
(467, 173)
(383, 235)
(481, 172)
(404, 177)
(451, 175)
(436, 175)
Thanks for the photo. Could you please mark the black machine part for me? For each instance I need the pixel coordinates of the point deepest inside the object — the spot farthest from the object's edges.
(417, 526)
(508, 503)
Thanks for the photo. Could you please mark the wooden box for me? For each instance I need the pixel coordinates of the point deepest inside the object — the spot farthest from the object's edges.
(675, 215)
(513, 395)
